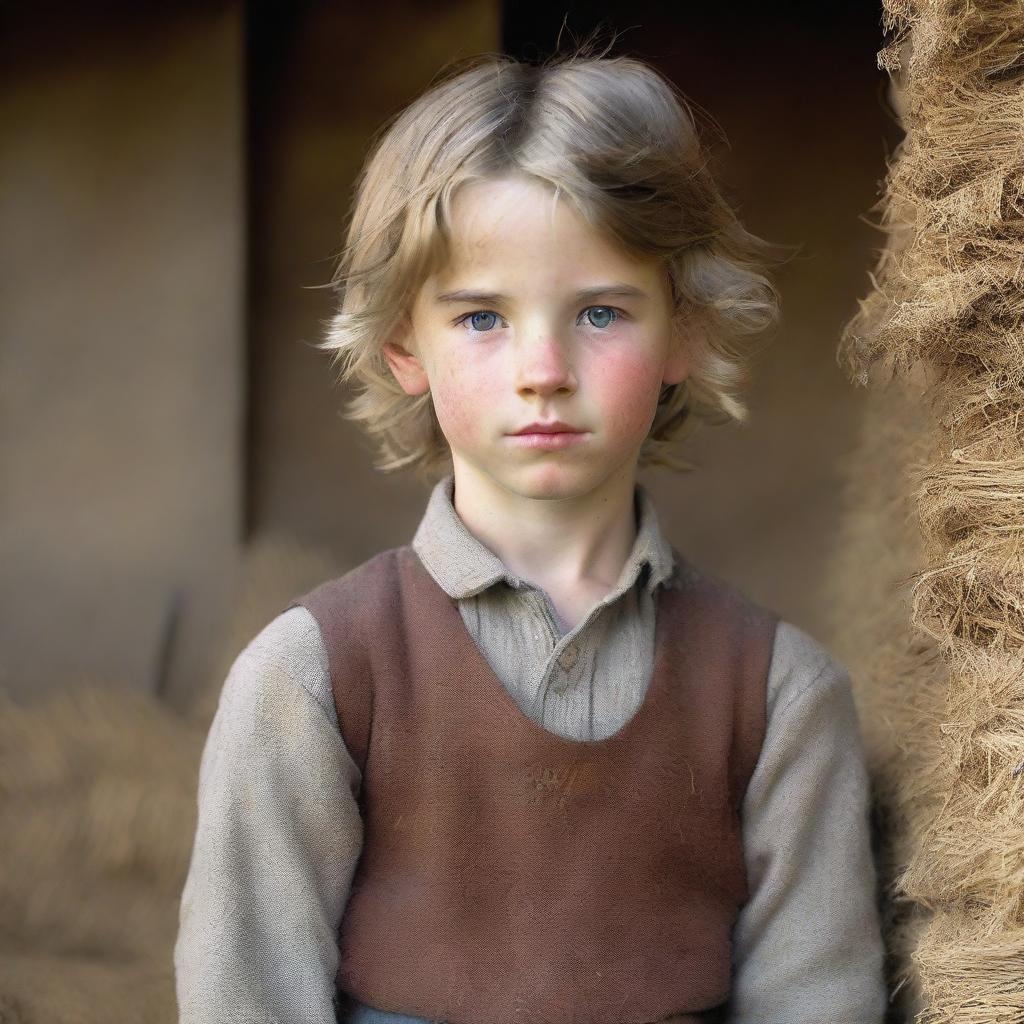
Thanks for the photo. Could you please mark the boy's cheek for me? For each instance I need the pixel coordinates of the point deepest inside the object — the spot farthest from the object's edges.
(629, 396)
(459, 407)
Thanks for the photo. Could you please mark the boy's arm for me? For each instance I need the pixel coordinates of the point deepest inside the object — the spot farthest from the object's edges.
(808, 945)
(276, 844)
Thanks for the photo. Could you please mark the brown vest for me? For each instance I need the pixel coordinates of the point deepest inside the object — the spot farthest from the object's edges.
(513, 876)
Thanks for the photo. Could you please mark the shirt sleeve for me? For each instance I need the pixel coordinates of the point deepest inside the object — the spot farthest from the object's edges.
(807, 945)
(277, 840)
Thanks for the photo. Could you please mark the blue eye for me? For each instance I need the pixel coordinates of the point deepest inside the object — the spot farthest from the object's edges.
(481, 321)
(606, 316)
(477, 326)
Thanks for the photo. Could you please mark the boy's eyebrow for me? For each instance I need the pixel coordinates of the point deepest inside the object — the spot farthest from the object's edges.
(617, 288)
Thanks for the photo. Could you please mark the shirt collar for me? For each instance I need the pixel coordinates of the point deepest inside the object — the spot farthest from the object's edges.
(463, 566)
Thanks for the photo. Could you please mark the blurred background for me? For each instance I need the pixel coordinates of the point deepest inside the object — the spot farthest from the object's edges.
(174, 184)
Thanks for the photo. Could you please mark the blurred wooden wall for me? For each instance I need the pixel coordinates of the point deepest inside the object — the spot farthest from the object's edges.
(121, 344)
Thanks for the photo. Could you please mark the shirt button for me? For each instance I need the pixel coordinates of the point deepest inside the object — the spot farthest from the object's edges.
(568, 657)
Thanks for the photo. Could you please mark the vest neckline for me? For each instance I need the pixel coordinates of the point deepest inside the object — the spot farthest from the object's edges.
(462, 641)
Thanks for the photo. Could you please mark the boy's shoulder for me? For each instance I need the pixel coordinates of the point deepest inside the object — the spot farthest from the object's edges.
(688, 574)
(377, 574)
(804, 669)
(801, 666)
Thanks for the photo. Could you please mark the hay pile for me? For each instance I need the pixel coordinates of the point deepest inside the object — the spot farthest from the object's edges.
(97, 809)
(931, 575)
(97, 817)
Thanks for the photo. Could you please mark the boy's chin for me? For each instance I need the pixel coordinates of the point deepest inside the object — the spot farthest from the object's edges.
(551, 481)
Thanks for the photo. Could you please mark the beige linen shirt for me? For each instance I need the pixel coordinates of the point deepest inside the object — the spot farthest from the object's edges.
(279, 831)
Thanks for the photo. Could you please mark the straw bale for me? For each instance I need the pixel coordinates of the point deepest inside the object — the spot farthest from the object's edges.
(939, 476)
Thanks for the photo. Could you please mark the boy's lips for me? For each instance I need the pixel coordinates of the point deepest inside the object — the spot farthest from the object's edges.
(547, 436)
(552, 427)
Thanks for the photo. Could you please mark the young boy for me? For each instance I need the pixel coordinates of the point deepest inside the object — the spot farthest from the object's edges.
(536, 766)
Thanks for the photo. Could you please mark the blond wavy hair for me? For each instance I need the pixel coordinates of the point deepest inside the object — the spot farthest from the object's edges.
(616, 137)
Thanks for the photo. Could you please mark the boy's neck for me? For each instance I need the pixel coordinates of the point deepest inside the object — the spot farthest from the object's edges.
(573, 548)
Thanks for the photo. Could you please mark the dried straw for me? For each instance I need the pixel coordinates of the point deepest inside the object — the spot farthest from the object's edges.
(941, 669)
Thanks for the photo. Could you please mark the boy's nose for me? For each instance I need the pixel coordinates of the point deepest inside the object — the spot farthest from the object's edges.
(544, 368)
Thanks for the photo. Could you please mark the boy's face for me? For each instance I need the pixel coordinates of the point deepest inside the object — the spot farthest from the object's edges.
(564, 325)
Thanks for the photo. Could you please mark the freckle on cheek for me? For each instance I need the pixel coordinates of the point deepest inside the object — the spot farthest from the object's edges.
(454, 415)
(628, 397)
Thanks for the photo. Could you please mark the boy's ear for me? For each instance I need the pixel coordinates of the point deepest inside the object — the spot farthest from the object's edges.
(678, 362)
(405, 365)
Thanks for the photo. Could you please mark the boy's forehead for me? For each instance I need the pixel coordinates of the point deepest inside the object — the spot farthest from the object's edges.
(489, 211)
(526, 225)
